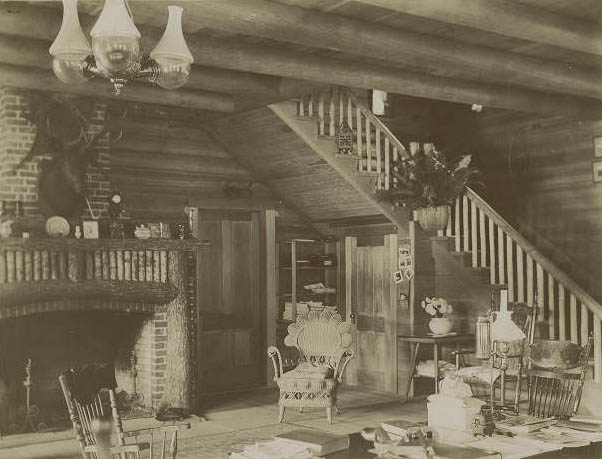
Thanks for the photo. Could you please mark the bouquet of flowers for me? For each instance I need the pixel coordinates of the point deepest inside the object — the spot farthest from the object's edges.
(436, 306)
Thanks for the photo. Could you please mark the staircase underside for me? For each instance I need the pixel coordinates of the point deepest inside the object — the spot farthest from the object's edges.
(278, 156)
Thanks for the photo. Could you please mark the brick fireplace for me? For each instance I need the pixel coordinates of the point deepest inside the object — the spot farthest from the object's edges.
(67, 302)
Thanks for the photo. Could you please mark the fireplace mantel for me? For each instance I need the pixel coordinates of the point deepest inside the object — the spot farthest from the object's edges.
(116, 270)
(46, 275)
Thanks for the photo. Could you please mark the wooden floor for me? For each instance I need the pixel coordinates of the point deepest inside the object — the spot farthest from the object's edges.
(238, 417)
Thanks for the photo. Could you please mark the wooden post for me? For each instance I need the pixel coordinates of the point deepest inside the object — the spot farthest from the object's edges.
(457, 225)
(574, 328)
(584, 323)
(390, 312)
(492, 266)
(465, 223)
(474, 234)
(178, 374)
(482, 238)
(510, 266)
(520, 274)
(561, 313)
(269, 229)
(551, 308)
(597, 349)
(501, 258)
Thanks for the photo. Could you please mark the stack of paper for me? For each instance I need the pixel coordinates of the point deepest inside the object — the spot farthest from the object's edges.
(274, 449)
(302, 309)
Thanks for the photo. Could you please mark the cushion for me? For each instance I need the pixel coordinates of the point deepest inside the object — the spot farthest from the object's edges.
(310, 370)
(483, 374)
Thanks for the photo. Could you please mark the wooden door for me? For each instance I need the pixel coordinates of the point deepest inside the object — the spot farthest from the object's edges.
(371, 304)
(232, 350)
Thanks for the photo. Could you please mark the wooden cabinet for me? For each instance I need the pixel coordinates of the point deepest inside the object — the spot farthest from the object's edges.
(305, 262)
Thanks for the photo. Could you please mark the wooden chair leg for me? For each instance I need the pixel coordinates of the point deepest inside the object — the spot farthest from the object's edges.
(329, 414)
(336, 410)
(173, 447)
(281, 413)
(300, 409)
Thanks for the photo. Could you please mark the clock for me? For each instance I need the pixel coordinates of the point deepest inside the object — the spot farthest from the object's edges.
(115, 197)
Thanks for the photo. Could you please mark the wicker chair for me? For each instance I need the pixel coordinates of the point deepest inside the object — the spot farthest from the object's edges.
(323, 342)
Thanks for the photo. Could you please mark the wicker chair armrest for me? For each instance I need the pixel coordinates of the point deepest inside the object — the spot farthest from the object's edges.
(342, 364)
(152, 430)
(274, 354)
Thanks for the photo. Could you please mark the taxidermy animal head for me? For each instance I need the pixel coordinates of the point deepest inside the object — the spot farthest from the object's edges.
(62, 132)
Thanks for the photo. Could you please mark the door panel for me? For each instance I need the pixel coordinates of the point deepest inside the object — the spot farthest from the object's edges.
(231, 342)
(371, 298)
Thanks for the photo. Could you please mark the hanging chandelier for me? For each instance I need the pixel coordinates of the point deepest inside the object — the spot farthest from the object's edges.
(115, 51)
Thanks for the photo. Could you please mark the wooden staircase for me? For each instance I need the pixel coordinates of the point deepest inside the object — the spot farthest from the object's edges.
(490, 247)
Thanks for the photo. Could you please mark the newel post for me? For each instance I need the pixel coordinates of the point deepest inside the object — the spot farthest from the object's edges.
(178, 371)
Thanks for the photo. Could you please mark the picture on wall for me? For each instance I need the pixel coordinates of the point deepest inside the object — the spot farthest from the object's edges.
(597, 170)
(598, 146)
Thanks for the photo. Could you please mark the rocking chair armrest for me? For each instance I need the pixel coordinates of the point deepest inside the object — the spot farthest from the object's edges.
(274, 354)
(151, 430)
(342, 364)
(120, 449)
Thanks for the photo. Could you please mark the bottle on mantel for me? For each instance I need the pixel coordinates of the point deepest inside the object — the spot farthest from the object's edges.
(6, 221)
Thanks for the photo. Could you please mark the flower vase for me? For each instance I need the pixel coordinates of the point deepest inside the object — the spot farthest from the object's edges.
(432, 218)
(440, 325)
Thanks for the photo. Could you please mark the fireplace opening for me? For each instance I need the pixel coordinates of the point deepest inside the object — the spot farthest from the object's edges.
(61, 340)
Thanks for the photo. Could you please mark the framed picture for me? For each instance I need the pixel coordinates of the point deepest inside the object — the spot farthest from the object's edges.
(597, 170)
(159, 230)
(90, 229)
(598, 146)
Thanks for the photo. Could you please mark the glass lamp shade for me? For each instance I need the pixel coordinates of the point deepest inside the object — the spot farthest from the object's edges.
(172, 54)
(173, 73)
(115, 38)
(504, 329)
(70, 47)
(69, 69)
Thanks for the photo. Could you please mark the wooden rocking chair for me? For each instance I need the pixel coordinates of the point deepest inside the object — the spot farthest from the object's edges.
(323, 342)
(90, 397)
(556, 377)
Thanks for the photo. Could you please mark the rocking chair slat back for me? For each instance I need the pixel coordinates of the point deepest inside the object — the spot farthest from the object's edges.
(558, 392)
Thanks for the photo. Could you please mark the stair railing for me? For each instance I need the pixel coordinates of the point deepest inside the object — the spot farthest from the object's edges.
(375, 146)
(567, 311)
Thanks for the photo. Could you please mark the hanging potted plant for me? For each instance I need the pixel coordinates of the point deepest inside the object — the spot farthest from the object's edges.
(428, 183)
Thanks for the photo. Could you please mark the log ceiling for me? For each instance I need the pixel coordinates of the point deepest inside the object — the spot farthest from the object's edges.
(526, 55)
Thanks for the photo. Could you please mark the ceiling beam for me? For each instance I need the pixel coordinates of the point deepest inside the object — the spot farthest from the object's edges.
(409, 50)
(261, 59)
(326, 70)
(508, 18)
(41, 79)
(34, 52)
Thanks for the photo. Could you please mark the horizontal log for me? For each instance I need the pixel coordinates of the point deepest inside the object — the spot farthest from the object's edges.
(264, 60)
(37, 78)
(21, 50)
(135, 141)
(18, 293)
(294, 24)
(508, 18)
(67, 244)
(337, 71)
(167, 163)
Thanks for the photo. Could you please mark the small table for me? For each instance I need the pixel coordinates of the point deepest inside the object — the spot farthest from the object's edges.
(417, 338)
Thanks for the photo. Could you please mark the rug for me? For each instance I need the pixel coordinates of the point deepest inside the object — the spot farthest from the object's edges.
(219, 446)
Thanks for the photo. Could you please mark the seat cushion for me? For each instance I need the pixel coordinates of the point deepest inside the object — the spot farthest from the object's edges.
(310, 370)
(483, 374)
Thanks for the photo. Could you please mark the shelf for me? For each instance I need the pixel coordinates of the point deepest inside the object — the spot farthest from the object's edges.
(301, 268)
(308, 293)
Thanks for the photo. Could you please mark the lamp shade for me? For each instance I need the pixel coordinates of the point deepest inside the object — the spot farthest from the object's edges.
(115, 38)
(115, 21)
(70, 40)
(504, 329)
(172, 45)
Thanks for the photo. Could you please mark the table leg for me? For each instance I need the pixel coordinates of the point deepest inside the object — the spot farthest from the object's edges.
(412, 367)
(436, 365)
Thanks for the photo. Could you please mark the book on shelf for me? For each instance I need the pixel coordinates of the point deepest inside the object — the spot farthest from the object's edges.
(316, 441)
